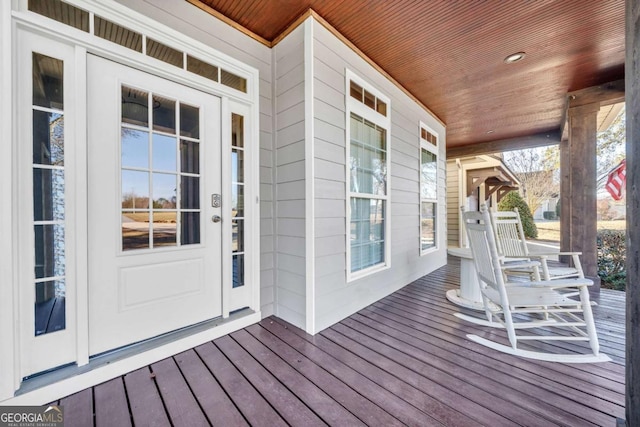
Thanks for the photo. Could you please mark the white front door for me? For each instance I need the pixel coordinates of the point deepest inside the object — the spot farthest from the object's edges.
(154, 258)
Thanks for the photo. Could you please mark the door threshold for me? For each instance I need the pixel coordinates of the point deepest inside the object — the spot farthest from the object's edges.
(66, 380)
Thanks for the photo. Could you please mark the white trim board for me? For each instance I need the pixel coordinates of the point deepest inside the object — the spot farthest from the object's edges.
(8, 211)
(309, 144)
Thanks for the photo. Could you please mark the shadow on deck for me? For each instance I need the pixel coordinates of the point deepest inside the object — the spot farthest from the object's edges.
(402, 360)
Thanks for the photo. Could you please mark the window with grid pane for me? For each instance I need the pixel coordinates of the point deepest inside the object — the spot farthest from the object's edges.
(428, 190)
(368, 193)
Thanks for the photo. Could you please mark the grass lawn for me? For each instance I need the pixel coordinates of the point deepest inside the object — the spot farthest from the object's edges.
(550, 230)
(157, 216)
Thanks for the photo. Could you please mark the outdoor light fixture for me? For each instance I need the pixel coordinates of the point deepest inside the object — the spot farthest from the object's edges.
(514, 57)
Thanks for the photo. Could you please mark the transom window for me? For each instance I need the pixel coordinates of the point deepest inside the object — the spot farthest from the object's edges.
(368, 164)
(75, 17)
(428, 188)
(367, 98)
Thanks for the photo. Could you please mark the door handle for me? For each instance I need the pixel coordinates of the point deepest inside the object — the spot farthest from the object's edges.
(216, 218)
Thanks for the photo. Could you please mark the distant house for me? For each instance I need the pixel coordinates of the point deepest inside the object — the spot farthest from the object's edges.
(548, 205)
(472, 181)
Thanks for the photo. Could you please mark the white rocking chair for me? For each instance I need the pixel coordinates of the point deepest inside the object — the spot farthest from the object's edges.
(512, 245)
(518, 306)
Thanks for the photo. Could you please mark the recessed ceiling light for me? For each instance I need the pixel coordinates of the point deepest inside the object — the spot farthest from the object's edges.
(514, 57)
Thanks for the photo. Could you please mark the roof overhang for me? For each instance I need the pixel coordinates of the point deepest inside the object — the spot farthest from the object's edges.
(495, 178)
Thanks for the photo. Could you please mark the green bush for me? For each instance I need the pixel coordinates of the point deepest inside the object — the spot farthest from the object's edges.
(558, 209)
(612, 255)
(513, 200)
(549, 215)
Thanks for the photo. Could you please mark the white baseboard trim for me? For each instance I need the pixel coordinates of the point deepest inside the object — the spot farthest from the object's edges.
(117, 368)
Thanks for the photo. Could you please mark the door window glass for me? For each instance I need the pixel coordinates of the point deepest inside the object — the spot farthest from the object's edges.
(160, 171)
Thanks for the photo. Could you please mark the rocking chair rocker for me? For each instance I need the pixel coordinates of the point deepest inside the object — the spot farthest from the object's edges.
(517, 306)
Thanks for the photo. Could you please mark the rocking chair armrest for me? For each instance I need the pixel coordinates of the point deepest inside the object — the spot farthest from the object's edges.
(555, 284)
(548, 254)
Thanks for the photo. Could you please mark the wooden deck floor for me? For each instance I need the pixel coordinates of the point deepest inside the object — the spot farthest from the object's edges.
(402, 361)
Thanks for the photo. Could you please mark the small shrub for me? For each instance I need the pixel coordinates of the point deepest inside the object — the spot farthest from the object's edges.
(558, 209)
(513, 200)
(549, 215)
(611, 259)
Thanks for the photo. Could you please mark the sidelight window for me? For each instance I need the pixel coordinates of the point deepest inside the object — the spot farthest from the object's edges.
(49, 194)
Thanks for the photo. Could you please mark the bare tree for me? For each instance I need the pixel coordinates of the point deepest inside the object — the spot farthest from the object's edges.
(610, 148)
(536, 169)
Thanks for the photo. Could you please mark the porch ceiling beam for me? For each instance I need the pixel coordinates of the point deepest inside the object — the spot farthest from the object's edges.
(508, 144)
(604, 94)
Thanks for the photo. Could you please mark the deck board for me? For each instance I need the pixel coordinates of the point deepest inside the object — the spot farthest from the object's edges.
(280, 397)
(360, 406)
(144, 399)
(251, 404)
(216, 404)
(404, 360)
(409, 379)
(592, 374)
(111, 404)
(181, 405)
(397, 326)
(524, 398)
(391, 403)
(78, 409)
(315, 398)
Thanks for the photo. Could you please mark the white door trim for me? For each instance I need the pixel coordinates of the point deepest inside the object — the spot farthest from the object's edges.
(8, 304)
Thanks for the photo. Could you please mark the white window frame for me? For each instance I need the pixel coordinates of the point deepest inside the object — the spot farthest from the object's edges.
(433, 149)
(361, 110)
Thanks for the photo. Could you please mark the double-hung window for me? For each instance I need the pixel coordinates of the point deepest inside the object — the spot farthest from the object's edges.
(428, 188)
(368, 126)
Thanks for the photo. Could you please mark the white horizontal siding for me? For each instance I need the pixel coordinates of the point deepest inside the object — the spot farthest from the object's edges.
(329, 151)
(328, 189)
(334, 297)
(293, 227)
(290, 177)
(330, 226)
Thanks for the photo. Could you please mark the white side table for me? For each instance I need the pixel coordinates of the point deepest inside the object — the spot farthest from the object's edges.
(468, 295)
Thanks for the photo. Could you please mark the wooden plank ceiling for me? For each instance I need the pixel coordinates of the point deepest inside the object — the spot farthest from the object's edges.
(449, 54)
